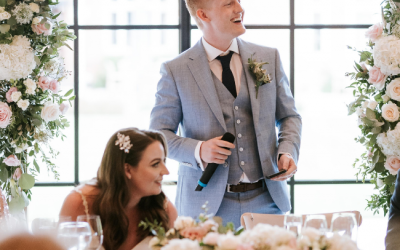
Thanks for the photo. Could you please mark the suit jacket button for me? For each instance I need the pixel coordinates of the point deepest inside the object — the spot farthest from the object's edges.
(225, 164)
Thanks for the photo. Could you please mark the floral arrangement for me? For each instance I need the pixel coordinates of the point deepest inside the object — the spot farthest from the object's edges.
(208, 234)
(32, 107)
(260, 75)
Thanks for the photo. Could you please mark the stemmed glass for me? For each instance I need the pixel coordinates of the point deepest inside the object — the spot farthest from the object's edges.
(48, 226)
(316, 221)
(74, 235)
(293, 223)
(96, 230)
(345, 224)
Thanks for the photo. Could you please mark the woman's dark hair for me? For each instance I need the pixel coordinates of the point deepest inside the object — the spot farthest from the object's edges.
(114, 192)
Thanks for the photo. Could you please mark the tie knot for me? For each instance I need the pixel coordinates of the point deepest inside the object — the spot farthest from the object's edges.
(225, 60)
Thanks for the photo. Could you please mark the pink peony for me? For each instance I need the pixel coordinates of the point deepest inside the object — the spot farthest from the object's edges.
(392, 164)
(211, 239)
(374, 32)
(377, 78)
(40, 28)
(44, 83)
(9, 93)
(245, 246)
(64, 108)
(17, 174)
(12, 161)
(5, 115)
(194, 233)
(54, 86)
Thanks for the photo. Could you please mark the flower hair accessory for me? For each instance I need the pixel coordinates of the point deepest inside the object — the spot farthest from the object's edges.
(124, 142)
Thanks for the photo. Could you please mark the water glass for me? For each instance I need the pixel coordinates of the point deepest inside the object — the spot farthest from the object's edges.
(74, 235)
(317, 221)
(96, 230)
(293, 223)
(345, 224)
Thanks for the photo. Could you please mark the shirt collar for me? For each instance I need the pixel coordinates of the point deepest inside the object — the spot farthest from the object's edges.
(213, 52)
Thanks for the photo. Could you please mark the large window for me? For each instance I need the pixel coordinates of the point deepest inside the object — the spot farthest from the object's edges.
(116, 60)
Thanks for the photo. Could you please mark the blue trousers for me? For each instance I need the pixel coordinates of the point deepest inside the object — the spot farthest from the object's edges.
(255, 201)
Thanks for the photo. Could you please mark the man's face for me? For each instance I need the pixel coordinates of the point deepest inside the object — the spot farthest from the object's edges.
(226, 18)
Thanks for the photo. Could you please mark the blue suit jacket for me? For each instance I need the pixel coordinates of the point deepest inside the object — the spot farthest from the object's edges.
(186, 97)
(392, 240)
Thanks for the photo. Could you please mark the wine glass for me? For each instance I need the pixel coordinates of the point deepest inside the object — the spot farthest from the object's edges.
(47, 226)
(74, 235)
(96, 230)
(345, 224)
(293, 223)
(316, 221)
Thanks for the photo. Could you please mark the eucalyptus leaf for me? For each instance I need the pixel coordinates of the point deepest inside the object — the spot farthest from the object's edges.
(390, 179)
(392, 189)
(36, 166)
(376, 130)
(4, 174)
(68, 93)
(37, 122)
(375, 158)
(4, 28)
(12, 21)
(16, 204)
(370, 114)
(26, 181)
(379, 167)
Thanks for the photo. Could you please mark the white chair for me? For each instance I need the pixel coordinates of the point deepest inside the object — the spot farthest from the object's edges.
(249, 220)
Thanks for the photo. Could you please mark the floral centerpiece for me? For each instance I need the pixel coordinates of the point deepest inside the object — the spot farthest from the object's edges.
(208, 233)
(32, 106)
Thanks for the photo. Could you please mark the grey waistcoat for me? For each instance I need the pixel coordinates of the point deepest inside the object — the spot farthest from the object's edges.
(238, 118)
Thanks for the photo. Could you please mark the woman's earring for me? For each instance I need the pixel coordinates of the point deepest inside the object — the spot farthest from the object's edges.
(129, 176)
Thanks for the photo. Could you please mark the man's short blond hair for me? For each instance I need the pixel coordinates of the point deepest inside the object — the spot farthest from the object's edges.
(193, 6)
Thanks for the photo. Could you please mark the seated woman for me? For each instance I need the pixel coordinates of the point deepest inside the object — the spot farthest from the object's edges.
(127, 190)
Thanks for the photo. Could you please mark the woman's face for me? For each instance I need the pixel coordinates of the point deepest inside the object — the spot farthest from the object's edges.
(147, 176)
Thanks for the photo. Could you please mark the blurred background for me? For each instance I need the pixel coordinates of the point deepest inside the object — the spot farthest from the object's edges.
(116, 60)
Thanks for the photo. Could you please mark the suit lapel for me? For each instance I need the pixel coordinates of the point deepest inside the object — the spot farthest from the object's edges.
(245, 54)
(201, 72)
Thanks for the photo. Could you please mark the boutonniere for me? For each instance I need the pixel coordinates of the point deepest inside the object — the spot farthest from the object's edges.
(260, 75)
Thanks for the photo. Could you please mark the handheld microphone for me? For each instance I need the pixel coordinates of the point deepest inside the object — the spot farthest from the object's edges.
(210, 169)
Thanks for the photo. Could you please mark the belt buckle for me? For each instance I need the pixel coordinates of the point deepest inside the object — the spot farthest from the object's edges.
(228, 188)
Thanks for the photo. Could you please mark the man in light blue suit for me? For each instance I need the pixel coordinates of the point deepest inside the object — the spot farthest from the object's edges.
(209, 90)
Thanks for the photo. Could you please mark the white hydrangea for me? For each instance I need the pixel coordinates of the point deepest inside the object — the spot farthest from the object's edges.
(17, 60)
(387, 55)
(264, 236)
(390, 142)
(23, 13)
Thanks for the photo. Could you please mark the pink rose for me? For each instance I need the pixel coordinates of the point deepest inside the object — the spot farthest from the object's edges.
(12, 161)
(17, 174)
(9, 93)
(54, 86)
(374, 32)
(40, 28)
(392, 164)
(245, 246)
(211, 239)
(44, 83)
(64, 108)
(194, 233)
(5, 115)
(377, 78)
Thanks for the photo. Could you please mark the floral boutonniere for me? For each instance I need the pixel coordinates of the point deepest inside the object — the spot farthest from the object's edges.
(260, 75)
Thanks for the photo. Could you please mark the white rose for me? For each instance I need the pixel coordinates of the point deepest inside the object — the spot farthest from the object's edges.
(390, 112)
(15, 96)
(228, 242)
(365, 104)
(393, 89)
(23, 104)
(385, 98)
(30, 91)
(4, 15)
(37, 20)
(183, 222)
(372, 105)
(31, 85)
(34, 7)
(50, 112)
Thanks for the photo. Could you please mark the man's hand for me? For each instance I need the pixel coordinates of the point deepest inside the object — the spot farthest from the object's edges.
(212, 151)
(286, 162)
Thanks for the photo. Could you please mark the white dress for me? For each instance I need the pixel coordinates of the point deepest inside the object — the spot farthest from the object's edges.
(143, 245)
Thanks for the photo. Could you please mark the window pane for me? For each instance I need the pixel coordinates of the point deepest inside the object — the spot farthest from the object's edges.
(267, 12)
(65, 161)
(333, 198)
(328, 149)
(337, 12)
(66, 7)
(128, 12)
(279, 39)
(118, 81)
(47, 202)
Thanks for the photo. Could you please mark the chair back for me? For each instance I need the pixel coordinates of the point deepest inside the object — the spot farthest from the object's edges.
(250, 220)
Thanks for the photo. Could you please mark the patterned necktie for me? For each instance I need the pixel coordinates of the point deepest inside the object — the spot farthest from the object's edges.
(227, 76)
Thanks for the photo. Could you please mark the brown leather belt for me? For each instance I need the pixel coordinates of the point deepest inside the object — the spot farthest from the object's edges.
(244, 187)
